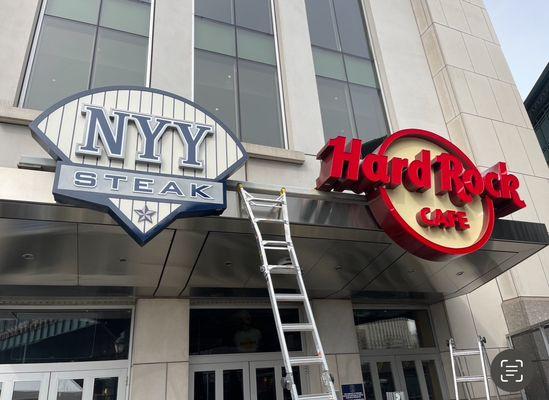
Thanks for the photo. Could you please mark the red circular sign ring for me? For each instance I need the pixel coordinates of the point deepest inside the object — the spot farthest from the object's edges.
(388, 217)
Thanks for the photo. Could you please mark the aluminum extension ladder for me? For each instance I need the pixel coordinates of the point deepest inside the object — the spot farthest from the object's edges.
(279, 207)
(479, 351)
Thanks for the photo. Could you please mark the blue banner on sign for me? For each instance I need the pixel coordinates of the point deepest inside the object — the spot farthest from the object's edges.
(353, 391)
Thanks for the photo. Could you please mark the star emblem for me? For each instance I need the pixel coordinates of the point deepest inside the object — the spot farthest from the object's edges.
(145, 214)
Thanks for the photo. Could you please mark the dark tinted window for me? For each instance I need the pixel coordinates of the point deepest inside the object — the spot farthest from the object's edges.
(261, 119)
(236, 70)
(349, 95)
(45, 336)
(251, 330)
(393, 329)
(322, 24)
(352, 32)
(254, 14)
(221, 10)
(215, 85)
(335, 106)
(88, 43)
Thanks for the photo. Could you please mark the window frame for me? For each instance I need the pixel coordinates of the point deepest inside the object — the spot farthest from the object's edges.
(402, 351)
(54, 306)
(285, 140)
(374, 54)
(36, 37)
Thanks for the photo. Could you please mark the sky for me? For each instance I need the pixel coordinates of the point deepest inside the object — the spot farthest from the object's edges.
(522, 27)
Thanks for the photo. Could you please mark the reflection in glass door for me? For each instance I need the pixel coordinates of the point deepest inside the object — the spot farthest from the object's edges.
(26, 386)
(74, 385)
(417, 376)
(220, 381)
(247, 380)
(267, 382)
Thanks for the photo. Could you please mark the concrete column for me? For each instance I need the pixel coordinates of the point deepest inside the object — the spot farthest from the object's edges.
(160, 356)
(301, 103)
(485, 117)
(16, 33)
(402, 65)
(172, 54)
(336, 327)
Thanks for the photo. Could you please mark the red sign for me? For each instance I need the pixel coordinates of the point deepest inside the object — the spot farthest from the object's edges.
(423, 191)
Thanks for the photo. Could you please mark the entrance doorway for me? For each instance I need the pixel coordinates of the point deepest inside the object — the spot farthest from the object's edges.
(417, 376)
(247, 380)
(64, 381)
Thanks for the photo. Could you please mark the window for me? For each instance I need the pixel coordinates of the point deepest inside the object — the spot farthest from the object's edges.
(64, 336)
(226, 331)
(348, 90)
(236, 70)
(88, 43)
(393, 329)
(542, 132)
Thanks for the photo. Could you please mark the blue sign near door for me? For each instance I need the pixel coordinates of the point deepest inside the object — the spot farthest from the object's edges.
(353, 391)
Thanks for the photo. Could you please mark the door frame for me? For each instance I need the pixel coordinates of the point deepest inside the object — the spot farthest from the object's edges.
(49, 373)
(398, 372)
(9, 379)
(218, 368)
(89, 377)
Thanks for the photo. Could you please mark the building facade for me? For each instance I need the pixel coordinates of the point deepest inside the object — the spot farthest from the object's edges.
(88, 313)
(536, 104)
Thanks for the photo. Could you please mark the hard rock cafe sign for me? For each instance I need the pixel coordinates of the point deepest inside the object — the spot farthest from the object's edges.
(423, 191)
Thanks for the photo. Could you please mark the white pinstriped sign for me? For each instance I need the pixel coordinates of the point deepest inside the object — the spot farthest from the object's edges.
(145, 155)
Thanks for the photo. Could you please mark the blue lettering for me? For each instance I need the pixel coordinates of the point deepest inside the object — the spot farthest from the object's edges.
(151, 137)
(199, 191)
(172, 188)
(99, 127)
(85, 179)
(115, 180)
(192, 142)
(141, 185)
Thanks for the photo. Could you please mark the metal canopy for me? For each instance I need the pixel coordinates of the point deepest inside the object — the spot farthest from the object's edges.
(58, 251)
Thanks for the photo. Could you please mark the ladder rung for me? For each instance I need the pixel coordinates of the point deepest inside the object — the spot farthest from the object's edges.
(289, 297)
(306, 360)
(297, 327)
(279, 243)
(282, 269)
(460, 353)
(266, 200)
(272, 220)
(322, 396)
(472, 378)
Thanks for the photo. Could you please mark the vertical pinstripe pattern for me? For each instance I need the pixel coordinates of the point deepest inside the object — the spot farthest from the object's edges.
(65, 128)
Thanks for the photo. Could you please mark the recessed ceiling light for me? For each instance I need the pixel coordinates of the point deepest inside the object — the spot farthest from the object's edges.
(459, 273)
(27, 256)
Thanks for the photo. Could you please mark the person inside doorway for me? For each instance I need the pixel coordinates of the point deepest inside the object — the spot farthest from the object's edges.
(247, 338)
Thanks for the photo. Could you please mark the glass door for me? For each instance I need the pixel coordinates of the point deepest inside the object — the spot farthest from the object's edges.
(73, 385)
(88, 385)
(24, 386)
(266, 380)
(220, 381)
(419, 377)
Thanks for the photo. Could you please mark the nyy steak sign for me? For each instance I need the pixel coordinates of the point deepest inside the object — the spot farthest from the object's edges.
(144, 155)
(423, 191)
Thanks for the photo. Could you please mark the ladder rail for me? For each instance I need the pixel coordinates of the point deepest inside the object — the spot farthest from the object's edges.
(481, 351)
(272, 295)
(280, 204)
(307, 305)
(483, 357)
(451, 345)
